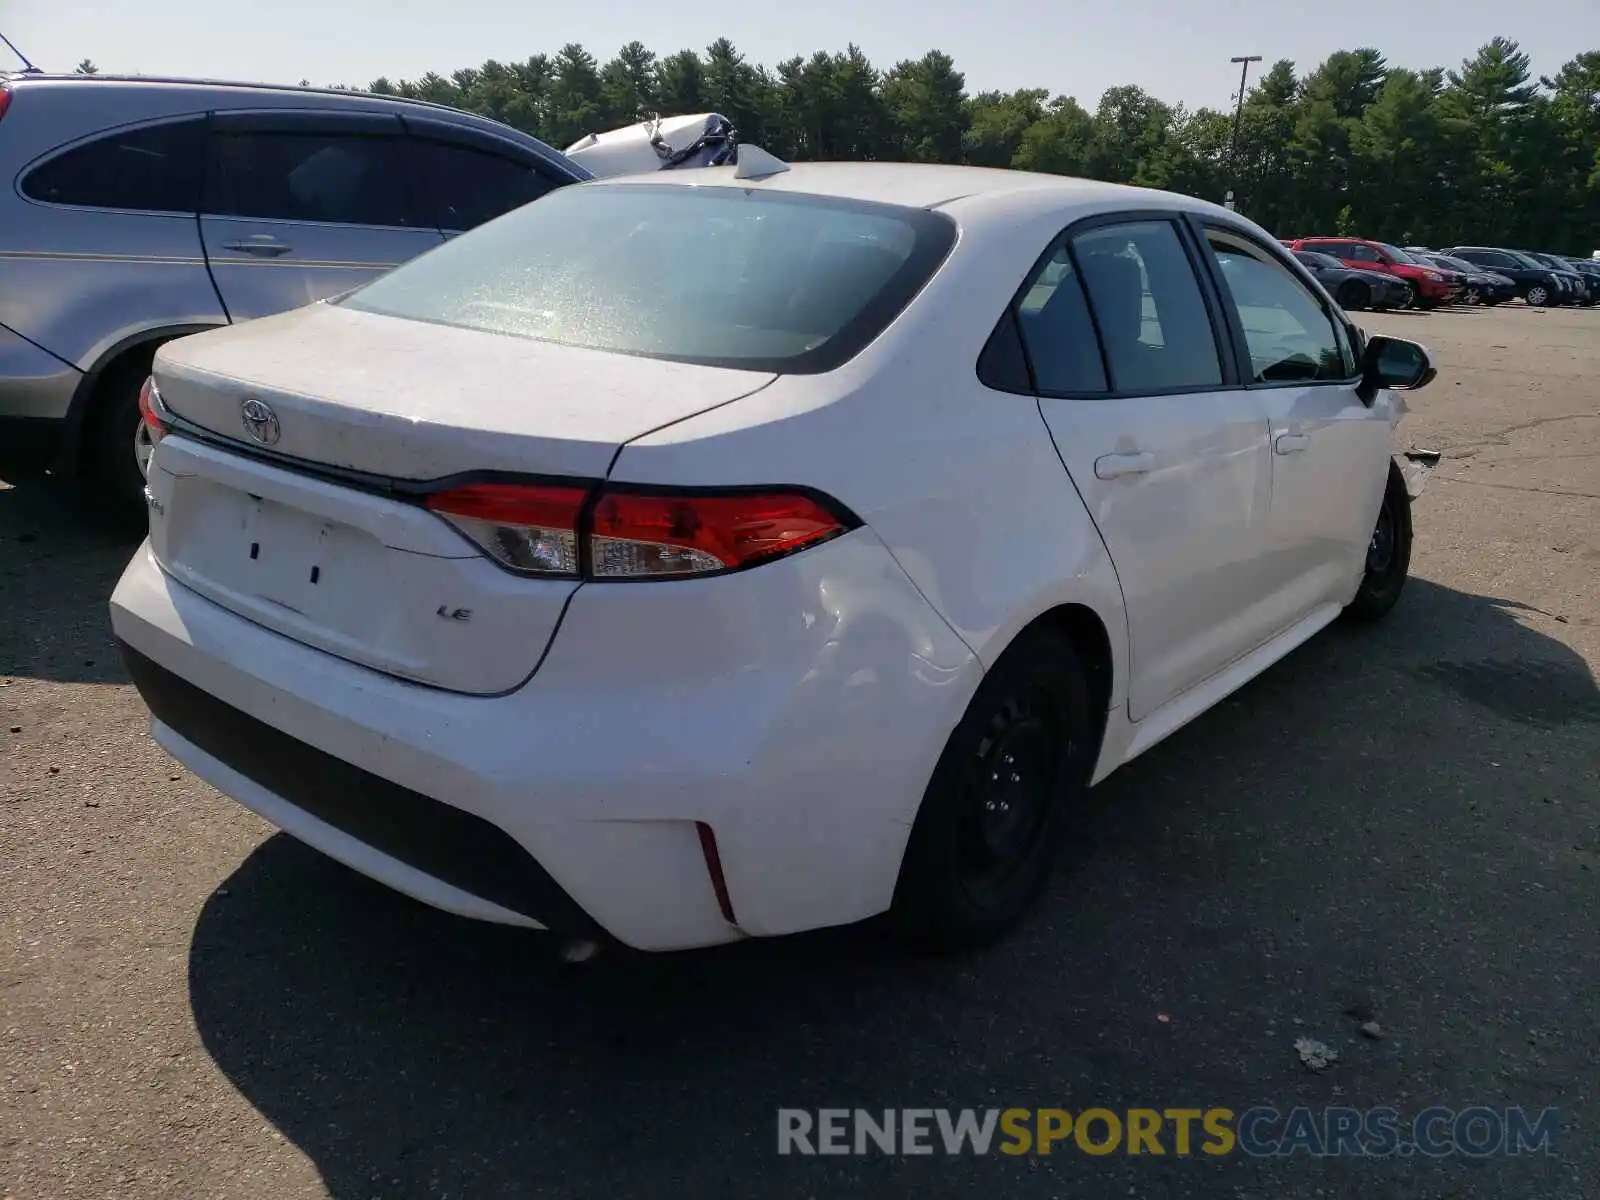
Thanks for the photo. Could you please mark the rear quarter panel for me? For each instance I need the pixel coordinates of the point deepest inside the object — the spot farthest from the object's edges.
(961, 483)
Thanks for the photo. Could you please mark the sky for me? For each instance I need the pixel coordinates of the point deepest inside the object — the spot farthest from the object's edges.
(1178, 51)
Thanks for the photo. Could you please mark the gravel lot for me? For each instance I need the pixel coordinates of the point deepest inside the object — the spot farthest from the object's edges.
(194, 1006)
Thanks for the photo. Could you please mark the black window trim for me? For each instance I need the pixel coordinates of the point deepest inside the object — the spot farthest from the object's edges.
(1227, 353)
(1198, 226)
(474, 138)
(314, 121)
(442, 133)
(199, 117)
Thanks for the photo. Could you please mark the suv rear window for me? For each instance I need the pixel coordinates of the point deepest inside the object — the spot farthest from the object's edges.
(724, 276)
(155, 168)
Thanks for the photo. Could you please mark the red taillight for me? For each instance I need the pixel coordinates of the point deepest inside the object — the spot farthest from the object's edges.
(634, 533)
(638, 534)
(150, 410)
(5, 100)
(533, 529)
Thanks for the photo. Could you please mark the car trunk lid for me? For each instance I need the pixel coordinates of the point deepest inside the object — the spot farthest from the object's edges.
(320, 534)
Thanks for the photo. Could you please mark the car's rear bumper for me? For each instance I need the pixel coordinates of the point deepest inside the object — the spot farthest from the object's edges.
(794, 711)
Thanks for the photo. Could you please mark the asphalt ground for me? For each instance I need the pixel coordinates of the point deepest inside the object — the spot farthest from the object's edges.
(1400, 821)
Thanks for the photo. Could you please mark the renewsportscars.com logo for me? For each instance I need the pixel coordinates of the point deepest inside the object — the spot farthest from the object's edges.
(1260, 1132)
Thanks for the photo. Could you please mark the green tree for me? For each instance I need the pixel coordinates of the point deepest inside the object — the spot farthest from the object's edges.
(1061, 142)
(576, 106)
(681, 84)
(997, 122)
(927, 109)
(628, 85)
(1484, 152)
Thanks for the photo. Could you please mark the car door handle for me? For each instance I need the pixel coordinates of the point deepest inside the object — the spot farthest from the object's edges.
(263, 245)
(1114, 466)
(1290, 443)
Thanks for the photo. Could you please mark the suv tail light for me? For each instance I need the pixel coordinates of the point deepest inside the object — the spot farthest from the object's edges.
(5, 99)
(636, 533)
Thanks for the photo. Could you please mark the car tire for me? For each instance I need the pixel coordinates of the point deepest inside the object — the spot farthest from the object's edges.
(1353, 296)
(1388, 554)
(1538, 296)
(1003, 803)
(111, 478)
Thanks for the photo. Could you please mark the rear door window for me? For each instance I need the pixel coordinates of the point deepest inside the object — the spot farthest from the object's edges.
(1058, 331)
(339, 178)
(155, 168)
(1152, 316)
(468, 186)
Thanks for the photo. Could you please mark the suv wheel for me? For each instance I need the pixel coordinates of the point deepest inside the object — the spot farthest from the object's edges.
(1538, 295)
(114, 457)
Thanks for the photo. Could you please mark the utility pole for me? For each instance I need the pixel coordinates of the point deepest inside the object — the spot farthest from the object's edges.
(1244, 61)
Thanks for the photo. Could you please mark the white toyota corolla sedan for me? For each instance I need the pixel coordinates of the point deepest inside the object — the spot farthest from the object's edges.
(699, 556)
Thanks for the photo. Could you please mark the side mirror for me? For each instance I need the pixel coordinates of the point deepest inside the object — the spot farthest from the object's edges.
(1396, 364)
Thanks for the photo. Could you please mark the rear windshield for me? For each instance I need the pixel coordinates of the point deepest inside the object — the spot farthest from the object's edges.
(724, 276)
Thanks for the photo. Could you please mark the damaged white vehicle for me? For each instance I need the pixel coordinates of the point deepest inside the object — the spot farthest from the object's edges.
(683, 558)
(658, 144)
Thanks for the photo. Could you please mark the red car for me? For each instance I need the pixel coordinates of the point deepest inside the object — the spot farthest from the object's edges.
(1433, 287)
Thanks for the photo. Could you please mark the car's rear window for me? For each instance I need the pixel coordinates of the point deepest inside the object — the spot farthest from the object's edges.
(725, 276)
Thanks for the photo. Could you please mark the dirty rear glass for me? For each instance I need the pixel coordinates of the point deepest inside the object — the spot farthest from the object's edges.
(726, 276)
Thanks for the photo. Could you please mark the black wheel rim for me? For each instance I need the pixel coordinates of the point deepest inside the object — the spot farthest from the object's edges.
(1010, 791)
(1380, 551)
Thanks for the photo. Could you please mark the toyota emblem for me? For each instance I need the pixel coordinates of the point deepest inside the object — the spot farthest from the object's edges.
(260, 422)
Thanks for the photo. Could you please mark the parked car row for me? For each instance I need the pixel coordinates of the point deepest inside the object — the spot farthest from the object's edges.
(1421, 277)
(1356, 289)
(1429, 286)
(1540, 279)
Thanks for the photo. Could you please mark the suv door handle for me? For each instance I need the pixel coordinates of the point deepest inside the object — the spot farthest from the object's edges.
(1290, 443)
(1114, 466)
(263, 245)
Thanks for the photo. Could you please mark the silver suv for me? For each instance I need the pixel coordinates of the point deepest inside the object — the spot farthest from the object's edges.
(139, 210)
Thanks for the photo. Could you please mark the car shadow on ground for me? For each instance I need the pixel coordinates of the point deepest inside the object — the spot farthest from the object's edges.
(59, 561)
(1379, 821)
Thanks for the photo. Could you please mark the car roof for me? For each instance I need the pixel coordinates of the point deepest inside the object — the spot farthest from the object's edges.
(32, 79)
(927, 185)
